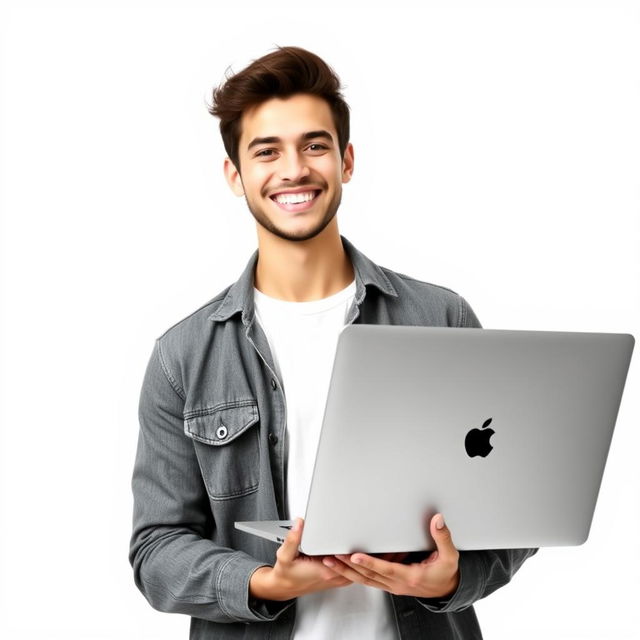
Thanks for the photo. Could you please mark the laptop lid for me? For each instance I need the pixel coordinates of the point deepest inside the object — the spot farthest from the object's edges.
(505, 432)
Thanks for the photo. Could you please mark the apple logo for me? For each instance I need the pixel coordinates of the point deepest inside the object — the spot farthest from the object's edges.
(477, 441)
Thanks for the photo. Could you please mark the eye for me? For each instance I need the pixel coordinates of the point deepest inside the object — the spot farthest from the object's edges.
(264, 153)
(319, 146)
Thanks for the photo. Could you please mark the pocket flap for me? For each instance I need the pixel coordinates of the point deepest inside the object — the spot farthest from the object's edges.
(222, 424)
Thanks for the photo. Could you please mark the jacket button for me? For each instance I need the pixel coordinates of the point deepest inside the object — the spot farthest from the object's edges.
(221, 432)
(273, 438)
(273, 383)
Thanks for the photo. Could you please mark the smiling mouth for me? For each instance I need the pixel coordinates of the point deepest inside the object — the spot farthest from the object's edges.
(296, 201)
(295, 198)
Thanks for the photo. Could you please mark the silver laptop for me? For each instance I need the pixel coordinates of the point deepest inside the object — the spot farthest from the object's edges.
(504, 432)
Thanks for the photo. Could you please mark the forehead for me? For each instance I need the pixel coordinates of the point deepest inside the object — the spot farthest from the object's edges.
(286, 118)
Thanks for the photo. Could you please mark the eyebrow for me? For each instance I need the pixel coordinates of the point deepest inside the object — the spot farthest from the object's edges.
(321, 133)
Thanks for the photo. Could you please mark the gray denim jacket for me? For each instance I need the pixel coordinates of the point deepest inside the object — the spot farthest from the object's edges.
(193, 479)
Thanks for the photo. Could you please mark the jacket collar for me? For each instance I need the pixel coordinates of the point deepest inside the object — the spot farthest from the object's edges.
(239, 298)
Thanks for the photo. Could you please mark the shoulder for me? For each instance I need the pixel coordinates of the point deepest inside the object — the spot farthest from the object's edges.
(423, 302)
(413, 285)
(187, 339)
(195, 320)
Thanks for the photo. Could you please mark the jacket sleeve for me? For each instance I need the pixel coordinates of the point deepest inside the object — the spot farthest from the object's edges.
(481, 572)
(466, 315)
(176, 567)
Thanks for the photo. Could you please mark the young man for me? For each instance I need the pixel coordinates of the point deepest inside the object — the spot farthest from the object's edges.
(233, 398)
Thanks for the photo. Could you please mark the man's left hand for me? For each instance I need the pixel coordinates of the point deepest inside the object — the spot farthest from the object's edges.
(435, 577)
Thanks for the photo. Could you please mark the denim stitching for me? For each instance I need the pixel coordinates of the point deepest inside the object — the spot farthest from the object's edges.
(462, 319)
(235, 494)
(198, 413)
(392, 291)
(218, 297)
(205, 440)
(432, 284)
(174, 385)
(225, 496)
(241, 430)
(219, 590)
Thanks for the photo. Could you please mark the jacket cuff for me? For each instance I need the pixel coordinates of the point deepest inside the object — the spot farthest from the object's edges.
(232, 586)
(470, 587)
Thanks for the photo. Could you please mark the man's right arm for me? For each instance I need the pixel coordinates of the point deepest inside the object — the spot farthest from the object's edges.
(176, 567)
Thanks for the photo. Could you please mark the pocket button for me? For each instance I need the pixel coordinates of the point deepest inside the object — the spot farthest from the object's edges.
(221, 432)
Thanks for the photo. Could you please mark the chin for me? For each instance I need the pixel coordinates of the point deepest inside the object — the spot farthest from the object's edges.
(297, 233)
(295, 236)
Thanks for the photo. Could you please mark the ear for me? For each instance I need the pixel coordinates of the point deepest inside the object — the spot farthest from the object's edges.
(233, 177)
(347, 164)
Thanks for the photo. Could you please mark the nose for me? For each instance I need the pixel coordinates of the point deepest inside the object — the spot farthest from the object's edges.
(293, 166)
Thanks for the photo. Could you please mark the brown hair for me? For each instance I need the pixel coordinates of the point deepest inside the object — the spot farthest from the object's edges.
(282, 73)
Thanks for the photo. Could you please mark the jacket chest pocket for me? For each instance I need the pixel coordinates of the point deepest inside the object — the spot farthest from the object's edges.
(228, 448)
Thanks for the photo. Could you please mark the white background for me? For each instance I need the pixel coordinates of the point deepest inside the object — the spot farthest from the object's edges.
(497, 153)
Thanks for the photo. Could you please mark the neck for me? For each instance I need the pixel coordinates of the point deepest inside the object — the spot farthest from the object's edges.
(302, 271)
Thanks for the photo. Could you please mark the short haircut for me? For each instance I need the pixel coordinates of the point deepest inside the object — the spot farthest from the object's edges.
(280, 74)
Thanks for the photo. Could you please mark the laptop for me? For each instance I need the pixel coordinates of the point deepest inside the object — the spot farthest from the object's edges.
(505, 432)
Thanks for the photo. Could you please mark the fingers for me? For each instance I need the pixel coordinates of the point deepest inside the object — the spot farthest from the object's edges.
(288, 551)
(354, 572)
(338, 581)
(373, 572)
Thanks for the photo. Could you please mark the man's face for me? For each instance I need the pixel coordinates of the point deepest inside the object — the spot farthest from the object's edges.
(292, 173)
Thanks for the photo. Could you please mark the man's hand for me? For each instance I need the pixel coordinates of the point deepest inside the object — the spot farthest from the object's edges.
(293, 574)
(436, 577)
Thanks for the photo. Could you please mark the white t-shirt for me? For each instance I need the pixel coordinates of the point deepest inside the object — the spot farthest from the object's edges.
(303, 337)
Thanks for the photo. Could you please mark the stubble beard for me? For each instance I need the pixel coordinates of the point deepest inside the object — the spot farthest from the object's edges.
(264, 221)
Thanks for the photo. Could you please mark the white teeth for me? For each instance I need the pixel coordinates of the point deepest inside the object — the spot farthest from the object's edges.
(294, 198)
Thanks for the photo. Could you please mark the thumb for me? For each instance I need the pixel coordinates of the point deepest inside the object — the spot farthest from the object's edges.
(442, 537)
(289, 549)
